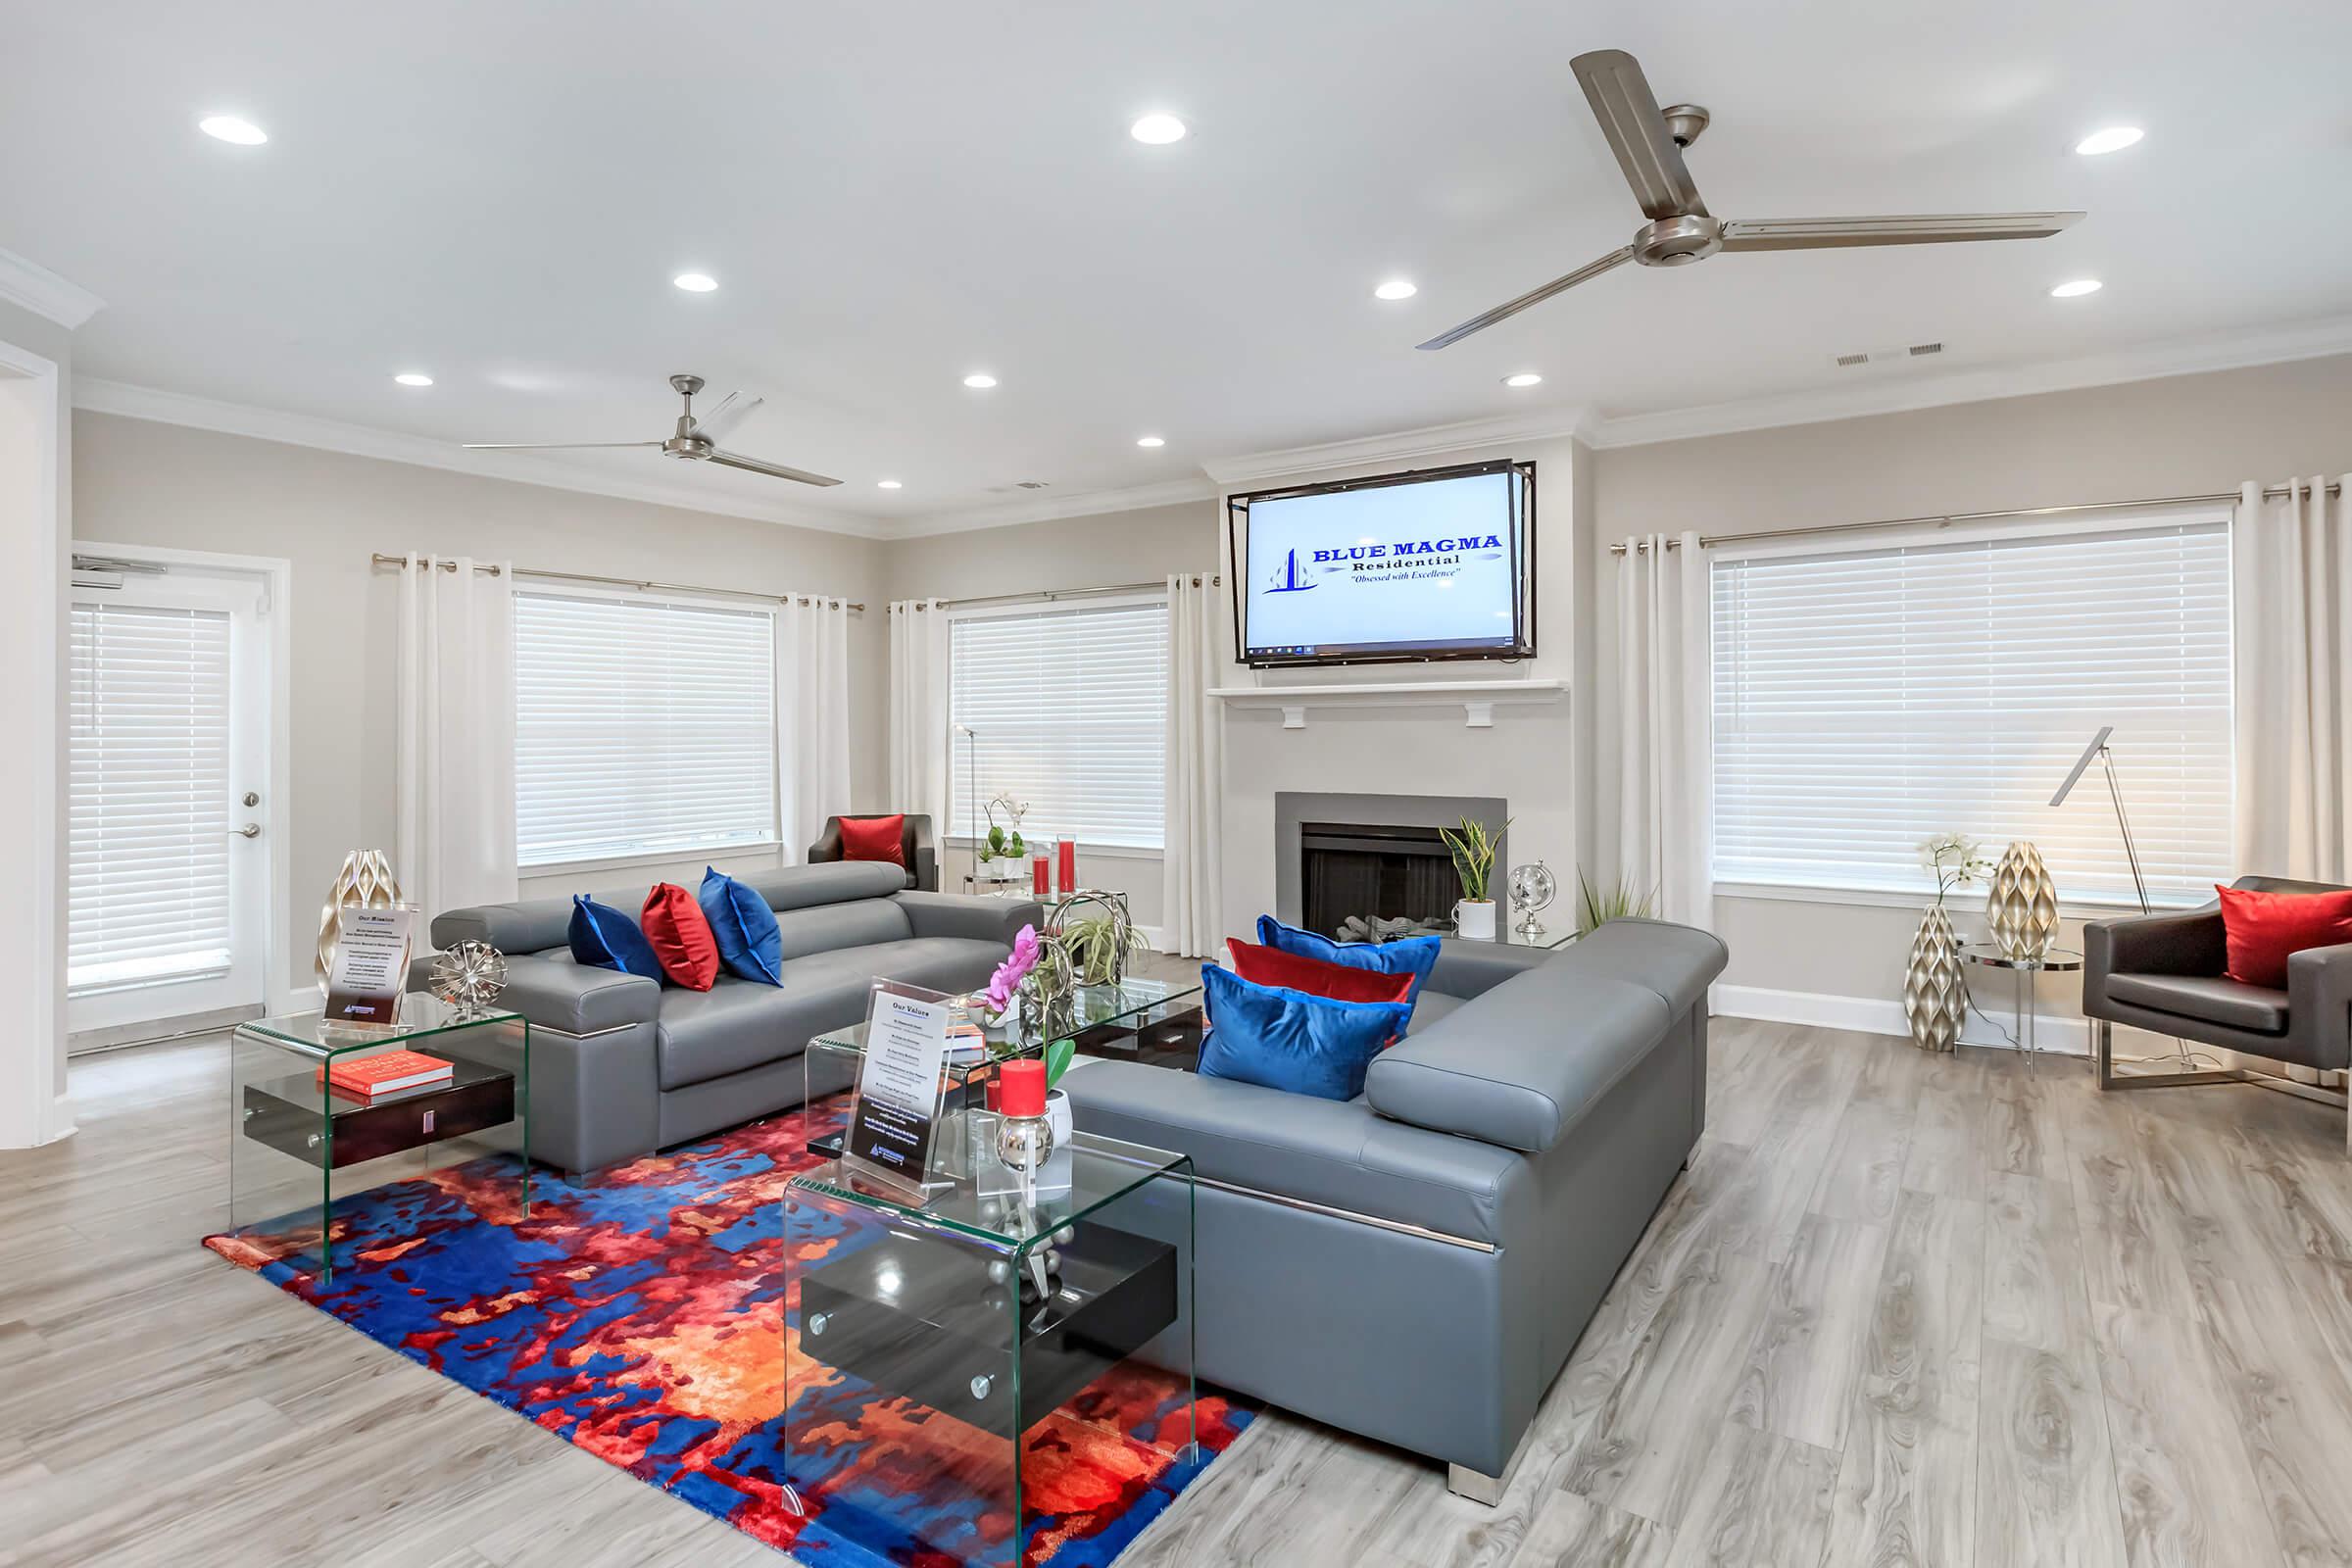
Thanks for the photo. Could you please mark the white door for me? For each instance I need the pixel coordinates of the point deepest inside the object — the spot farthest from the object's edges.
(170, 820)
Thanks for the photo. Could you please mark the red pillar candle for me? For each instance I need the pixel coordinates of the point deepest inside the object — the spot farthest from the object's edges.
(1021, 1087)
(1069, 865)
(1037, 875)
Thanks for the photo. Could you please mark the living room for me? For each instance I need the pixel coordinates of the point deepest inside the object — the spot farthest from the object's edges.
(1700, 919)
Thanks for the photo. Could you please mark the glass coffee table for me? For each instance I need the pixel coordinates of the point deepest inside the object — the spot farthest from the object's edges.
(1001, 1334)
(297, 1147)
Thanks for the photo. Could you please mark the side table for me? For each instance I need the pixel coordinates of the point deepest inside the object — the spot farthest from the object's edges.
(2052, 960)
(298, 1145)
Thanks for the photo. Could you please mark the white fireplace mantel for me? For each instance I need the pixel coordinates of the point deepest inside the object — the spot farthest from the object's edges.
(1477, 698)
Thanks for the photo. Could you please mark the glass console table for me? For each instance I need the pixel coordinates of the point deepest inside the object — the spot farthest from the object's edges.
(2025, 971)
(297, 1147)
(997, 1329)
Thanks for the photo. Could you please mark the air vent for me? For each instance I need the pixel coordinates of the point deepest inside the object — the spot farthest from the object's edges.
(1858, 358)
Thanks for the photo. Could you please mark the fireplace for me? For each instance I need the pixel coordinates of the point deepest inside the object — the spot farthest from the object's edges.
(1367, 871)
(1341, 855)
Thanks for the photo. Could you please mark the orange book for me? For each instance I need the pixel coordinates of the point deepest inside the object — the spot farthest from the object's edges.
(393, 1070)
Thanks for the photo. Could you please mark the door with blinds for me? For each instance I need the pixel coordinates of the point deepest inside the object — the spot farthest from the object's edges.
(168, 737)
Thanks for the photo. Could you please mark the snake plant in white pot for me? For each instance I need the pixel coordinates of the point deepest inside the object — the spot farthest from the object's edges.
(1474, 850)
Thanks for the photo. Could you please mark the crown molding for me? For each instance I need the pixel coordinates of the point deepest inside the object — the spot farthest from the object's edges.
(1429, 441)
(2226, 351)
(121, 398)
(45, 294)
(1078, 504)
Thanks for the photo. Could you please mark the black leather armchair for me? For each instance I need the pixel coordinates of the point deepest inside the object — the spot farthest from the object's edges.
(2164, 973)
(916, 844)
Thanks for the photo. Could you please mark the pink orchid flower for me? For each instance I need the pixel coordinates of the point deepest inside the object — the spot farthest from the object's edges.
(1009, 976)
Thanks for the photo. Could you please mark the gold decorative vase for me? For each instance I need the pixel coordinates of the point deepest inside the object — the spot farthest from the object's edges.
(1933, 1001)
(2021, 904)
(366, 882)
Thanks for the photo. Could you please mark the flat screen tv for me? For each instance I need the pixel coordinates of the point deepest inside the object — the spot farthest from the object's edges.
(1398, 568)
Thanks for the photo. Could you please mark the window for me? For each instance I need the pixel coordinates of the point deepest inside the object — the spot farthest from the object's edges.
(1068, 710)
(641, 727)
(1866, 701)
(147, 819)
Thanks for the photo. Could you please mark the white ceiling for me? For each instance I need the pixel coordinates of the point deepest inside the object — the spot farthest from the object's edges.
(893, 195)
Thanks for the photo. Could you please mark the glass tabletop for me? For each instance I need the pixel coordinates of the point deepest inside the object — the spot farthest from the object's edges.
(1091, 1007)
(422, 1015)
(1985, 952)
(1078, 1178)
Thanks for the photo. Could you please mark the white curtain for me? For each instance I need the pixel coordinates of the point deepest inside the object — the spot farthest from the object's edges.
(918, 711)
(813, 718)
(453, 843)
(2292, 583)
(1199, 658)
(1664, 726)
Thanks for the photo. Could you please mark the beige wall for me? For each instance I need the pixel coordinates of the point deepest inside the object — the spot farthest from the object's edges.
(144, 483)
(2181, 435)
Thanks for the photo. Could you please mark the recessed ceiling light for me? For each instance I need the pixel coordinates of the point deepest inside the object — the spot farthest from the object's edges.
(979, 380)
(1158, 130)
(2076, 289)
(414, 378)
(1523, 379)
(695, 283)
(228, 128)
(1396, 288)
(2113, 140)
(886, 484)
(1150, 441)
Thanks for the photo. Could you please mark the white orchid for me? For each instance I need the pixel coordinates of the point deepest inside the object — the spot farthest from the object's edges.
(1954, 859)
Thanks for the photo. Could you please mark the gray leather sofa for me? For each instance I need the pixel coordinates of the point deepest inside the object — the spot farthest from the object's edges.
(622, 1065)
(1416, 1264)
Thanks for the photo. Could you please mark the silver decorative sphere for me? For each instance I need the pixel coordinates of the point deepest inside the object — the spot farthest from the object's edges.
(469, 976)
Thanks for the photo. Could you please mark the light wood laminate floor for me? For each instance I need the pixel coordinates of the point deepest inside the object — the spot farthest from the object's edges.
(1901, 1309)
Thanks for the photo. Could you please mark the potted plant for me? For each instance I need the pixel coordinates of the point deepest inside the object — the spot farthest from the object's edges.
(1099, 946)
(1474, 850)
(1002, 852)
(1059, 1057)
(1621, 900)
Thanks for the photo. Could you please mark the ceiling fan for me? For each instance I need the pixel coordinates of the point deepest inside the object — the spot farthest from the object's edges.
(1648, 142)
(695, 439)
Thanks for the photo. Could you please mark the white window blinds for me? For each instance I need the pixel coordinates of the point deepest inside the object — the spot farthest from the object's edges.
(147, 817)
(1867, 701)
(641, 728)
(1068, 711)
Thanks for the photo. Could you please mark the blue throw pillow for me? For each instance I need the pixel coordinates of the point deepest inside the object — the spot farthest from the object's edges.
(607, 939)
(1290, 1041)
(1413, 956)
(748, 943)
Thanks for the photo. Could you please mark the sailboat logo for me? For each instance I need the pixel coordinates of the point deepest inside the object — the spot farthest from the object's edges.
(1286, 581)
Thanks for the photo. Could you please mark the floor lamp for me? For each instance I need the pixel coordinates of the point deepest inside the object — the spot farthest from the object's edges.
(971, 779)
(2098, 749)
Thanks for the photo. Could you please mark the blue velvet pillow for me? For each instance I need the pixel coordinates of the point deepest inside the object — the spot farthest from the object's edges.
(1413, 956)
(603, 936)
(748, 943)
(1290, 1041)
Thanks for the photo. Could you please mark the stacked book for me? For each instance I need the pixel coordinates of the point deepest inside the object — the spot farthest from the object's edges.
(390, 1073)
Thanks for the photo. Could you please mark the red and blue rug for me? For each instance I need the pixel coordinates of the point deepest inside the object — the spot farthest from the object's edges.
(641, 1314)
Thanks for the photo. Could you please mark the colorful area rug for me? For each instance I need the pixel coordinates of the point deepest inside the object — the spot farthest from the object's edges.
(641, 1315)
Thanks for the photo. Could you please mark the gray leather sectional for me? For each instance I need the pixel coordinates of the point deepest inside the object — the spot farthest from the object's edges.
(622, 1065)
(1416, 1264)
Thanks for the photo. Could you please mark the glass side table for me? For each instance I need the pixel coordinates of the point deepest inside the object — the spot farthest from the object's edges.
(297, 1147)
(996, 1329)
(2053, 961)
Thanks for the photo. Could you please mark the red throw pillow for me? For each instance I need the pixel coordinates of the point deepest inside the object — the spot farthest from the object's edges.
(681, 935)
(1272, 966)
(875, 838)
(2262, 928)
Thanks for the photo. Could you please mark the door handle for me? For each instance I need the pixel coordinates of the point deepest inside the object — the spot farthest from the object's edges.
(251, 830)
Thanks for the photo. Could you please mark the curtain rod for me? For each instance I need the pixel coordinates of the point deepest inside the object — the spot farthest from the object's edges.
(1048, 595)
(1948, 518)
(381, 559)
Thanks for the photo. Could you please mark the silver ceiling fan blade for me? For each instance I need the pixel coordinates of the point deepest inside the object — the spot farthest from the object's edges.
(730, 412)
(1534, 296)
(1629, 118)
(550, 446)
(775, 471)
(1935, 228)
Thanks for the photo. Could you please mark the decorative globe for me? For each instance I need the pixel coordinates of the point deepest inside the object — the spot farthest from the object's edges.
(1533, 887)
(469, 976)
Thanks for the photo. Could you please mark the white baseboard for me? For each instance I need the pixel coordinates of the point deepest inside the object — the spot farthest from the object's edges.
(1878, 1015)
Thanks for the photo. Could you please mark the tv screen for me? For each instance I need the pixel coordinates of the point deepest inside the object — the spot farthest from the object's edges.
(1402, 567)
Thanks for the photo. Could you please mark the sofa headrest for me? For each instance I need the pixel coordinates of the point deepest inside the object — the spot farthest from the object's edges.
(534, 925)
(796, 886)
